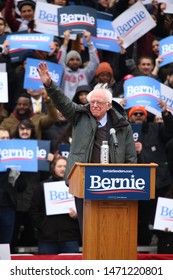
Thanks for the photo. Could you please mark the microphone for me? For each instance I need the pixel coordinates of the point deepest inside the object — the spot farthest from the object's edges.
(112, 132)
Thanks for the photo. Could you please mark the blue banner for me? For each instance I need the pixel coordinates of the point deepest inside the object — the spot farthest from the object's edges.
(166, 50)
(117, 183)
(106, 38)
(137, 131)
(42, 153)
(32, 79)
(142, 90)
(15, 54)
(77, 19)
(18, 154)
(64, 149)
(34, 41)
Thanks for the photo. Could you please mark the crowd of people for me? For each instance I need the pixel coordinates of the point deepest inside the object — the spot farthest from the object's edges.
(92, 82)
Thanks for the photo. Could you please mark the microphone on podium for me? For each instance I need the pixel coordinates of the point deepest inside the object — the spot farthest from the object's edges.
(112, 132)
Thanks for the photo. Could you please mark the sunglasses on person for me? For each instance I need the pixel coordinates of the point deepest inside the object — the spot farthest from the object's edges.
(138, 113)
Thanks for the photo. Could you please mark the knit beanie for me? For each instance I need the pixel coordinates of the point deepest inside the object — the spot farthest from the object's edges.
(71, 54)
(136, 109)
(104, 67)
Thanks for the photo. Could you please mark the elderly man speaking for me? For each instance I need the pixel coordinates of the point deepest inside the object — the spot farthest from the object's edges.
(87, 136)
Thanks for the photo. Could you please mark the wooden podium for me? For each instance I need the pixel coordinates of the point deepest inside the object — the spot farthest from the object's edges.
(109, 226)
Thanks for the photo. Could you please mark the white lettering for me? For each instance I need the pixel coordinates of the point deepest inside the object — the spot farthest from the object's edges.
(106, 33)
(69, 18)
(33, 74)
(142, 89)
(117, 183)
(16, 153)
(29, 38)
(167, 49)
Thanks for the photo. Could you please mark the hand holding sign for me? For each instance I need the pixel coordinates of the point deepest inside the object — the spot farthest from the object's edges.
(87, 36)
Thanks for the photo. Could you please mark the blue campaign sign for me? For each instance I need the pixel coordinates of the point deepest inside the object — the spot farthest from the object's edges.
(64, 149)
(137, 131)
(166, 50)
(15, 54)
(106, 38)
(77, 19)
(142, 90)
(32, 79)
(34, 41)
(42, 153)
(18, 154)
(117, 183)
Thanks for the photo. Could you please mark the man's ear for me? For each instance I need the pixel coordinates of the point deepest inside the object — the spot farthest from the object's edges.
(109, 106)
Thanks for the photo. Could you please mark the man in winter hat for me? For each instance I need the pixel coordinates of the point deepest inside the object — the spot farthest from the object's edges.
(74, 75)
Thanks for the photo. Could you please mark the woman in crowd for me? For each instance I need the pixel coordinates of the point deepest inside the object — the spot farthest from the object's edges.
(56, 233)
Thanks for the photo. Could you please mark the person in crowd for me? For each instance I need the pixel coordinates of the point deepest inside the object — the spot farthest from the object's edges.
(3, 27)
(153, 138)
(23, 110)
(164, 26)
(56, 233)
(38, 104)
(26, 8)
(155, 48)
(87, 137)
(146, 67)
(2, 7)
(80, 96)
(169, 78)
(11, 82)
(7, 199)
(60, 2)
(55, 46)
(155, 54)
(75, 76)
(79, 46)
(25, 184)
(165, 237)
(104, 74)
(158, 119)
(100, 5)
(19, 76)
(3, 112)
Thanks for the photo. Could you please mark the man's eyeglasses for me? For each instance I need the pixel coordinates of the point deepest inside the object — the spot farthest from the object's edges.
(99, 103)
(138, 113)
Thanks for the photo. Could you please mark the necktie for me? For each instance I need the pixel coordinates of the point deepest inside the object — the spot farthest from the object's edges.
(37, 106)
(99, 124)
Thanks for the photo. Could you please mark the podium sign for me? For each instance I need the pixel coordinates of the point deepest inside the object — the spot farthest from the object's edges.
(111, 193)
(117, 183)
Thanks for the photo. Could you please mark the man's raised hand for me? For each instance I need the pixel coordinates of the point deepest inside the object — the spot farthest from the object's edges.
(44, 74)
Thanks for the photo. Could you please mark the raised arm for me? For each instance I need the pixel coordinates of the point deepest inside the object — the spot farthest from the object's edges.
(60, 100)
(44, 74)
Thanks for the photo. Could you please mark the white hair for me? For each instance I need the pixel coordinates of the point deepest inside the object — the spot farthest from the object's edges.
(104, 88)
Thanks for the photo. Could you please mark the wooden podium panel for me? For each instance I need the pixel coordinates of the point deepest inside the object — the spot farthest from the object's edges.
(110, 230)
(109, 226)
